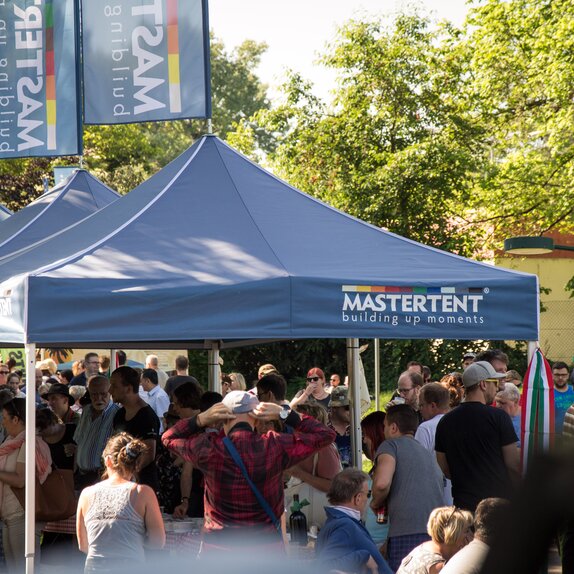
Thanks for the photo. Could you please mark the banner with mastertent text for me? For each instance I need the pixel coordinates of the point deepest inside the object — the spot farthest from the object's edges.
(38, 78)
(145, 60)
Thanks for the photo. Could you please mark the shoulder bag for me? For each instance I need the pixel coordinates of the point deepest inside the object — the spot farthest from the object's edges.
(55, 498)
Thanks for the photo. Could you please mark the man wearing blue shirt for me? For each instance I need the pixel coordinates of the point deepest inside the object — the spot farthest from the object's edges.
(344, 543)
(563, 394)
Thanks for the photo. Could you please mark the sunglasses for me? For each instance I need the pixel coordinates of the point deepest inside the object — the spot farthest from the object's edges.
(495, 381)
(312, 379)
(4, 372)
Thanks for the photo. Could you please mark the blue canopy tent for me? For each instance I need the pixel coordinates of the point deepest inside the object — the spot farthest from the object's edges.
(5, 213)
(214, 251)
(213, 247)
(75, 198)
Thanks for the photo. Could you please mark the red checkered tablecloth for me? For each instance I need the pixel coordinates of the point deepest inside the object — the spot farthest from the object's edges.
(67, 526)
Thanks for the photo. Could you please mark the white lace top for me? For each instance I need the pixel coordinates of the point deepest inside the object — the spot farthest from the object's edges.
(115, 530)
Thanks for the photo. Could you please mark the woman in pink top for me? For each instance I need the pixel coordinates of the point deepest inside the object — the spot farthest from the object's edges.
(12, 474)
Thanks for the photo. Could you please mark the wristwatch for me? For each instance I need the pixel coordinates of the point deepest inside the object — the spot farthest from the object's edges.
(283, 414)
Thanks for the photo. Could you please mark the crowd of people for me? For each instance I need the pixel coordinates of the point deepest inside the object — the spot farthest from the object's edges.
(444, 458)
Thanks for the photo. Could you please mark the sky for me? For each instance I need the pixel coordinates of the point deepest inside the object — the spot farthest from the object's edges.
(297, 31)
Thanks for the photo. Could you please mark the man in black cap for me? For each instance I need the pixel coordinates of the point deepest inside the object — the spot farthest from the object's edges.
(60, 401)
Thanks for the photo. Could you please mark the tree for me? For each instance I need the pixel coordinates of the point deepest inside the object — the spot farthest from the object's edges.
(403, 145)
(123, 156)
(520, 75)
(397, 147)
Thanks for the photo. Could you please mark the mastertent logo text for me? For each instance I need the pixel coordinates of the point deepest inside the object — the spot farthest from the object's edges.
(393, 305)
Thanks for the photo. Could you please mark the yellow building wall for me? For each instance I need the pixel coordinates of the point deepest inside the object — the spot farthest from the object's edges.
(557, 322)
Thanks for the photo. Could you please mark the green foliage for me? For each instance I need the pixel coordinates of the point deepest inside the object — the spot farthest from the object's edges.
(294, 358)
(519, 59)
(397, 148)
(123, 156)
(21, 181)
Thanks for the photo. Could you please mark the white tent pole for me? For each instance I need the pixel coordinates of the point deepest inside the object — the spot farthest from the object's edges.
(213, 375)
(30, 496)
(532, 346)
(377, 373)
(355, 390)
(113, 358)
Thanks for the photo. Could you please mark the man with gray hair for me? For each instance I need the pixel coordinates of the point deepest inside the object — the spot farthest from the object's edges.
(344, 544)
(509, 401)
(93, 432)
(234, 514)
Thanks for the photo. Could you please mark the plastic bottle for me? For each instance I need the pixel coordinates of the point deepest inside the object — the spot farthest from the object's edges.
(298, 522)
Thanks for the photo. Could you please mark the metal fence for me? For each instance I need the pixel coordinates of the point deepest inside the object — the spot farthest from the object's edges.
(557, 331)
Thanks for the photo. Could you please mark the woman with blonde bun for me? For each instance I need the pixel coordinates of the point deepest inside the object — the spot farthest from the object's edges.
(116, 518)
(450, 529)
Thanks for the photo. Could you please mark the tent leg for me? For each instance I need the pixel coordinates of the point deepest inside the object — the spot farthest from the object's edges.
(377, 374)
(532, 346)
(355, 391)
(30, 496)
(213, 375)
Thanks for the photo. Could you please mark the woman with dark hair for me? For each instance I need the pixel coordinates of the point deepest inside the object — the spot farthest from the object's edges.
(59, 437)
(12, 474)
(13, 382)
(116, 518)
(373, 430)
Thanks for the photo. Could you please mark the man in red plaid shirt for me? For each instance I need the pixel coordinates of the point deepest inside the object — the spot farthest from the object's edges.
(231, 508)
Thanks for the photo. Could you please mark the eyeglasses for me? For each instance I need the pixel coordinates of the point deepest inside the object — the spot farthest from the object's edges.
(404, 391)
(312, 379)
(4, 372)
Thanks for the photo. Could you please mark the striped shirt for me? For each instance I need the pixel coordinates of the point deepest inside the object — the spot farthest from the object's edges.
(91, 436)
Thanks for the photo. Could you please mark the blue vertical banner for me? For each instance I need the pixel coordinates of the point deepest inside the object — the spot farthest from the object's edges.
(38, 79)
(145, 60)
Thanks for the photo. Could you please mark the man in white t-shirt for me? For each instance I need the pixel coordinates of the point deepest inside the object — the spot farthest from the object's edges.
(487, 517)
(434, 402)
